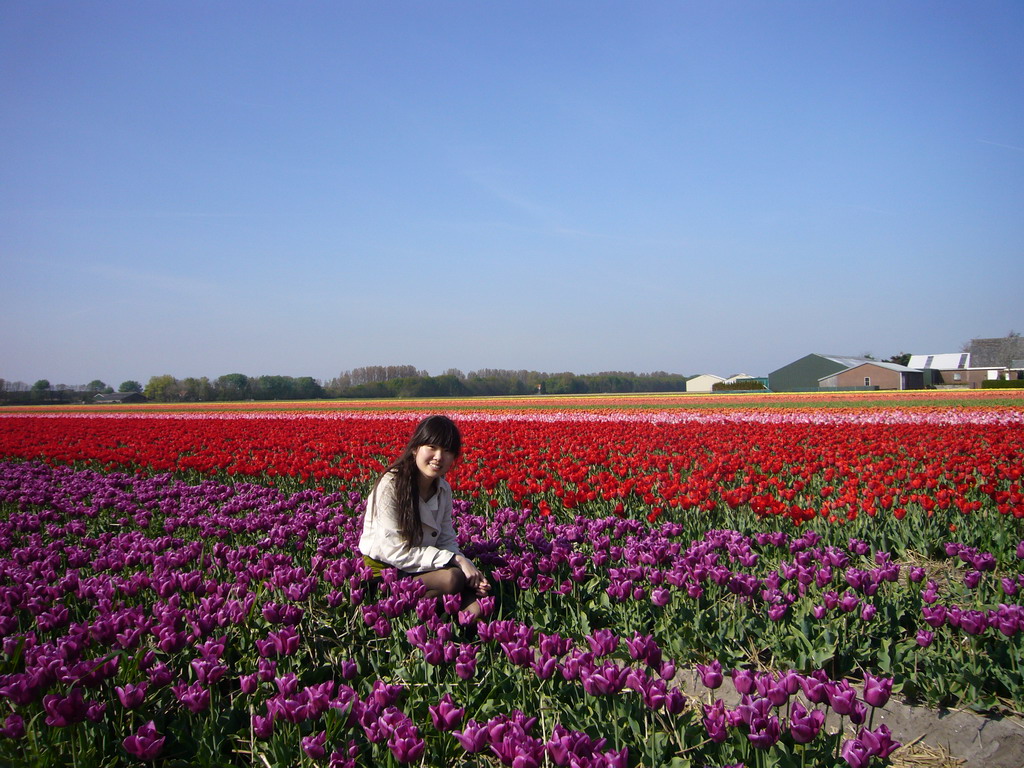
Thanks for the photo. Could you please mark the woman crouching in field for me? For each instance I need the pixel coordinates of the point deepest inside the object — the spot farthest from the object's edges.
(408, 521)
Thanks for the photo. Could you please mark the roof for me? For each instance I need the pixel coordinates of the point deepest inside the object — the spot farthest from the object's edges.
(117, 397)
(996, 353)
(849, 362)
(946, 361)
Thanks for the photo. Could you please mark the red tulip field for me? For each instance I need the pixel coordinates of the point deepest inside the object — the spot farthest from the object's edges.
(181, 585)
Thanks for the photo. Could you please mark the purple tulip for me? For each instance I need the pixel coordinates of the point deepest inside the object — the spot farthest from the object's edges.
(248, 684)
(764, 731)
(743, 680)
(62, 711)
(667, 670)
(160, 675)
(544, 667)
(313, 745)
(266, 669)
(804, 725)
(675, 701)
(879, 742)
(349, 669)
(775, 692)
(145, 743)
(13, 728)
(711, 674)
(445, 715)
(604, 681)
(465, 662)
(815, 687)
(287, 684)
(924, 638)
(451, 604)
(131, 695)
(603, 642)
(407, 746)
(564, 745)
(193, 697)
(487, 605)
(208, 671)
(841, 697)
(474, 737)
(877, 690)
(973, 622)
(856, 753)
(285, 641)
(848, 602)
(715, 721)
(935, 616)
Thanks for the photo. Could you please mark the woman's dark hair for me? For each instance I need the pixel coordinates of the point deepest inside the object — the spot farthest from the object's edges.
(433, 430)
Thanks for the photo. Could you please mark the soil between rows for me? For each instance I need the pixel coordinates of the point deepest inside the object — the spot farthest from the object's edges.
(963, 738)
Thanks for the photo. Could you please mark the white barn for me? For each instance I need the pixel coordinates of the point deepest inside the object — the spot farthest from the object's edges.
(703, 383)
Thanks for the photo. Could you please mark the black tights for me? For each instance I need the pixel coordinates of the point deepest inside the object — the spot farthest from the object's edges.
(450, 581)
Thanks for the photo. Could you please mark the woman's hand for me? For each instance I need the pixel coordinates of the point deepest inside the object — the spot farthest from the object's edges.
(474, 576)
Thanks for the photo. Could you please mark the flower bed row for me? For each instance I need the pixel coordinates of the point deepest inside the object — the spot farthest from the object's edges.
(799, 466)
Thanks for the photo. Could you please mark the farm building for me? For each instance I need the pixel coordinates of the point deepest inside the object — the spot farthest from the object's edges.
(703, 383)
(738, 377)
(813, 372)
(121, 397)
(960, 369)
(875, 375)
(804, 374)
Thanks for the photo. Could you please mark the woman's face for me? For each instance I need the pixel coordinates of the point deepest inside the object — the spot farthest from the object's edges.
(433, 461)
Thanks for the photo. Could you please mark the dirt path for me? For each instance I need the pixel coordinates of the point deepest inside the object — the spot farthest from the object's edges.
(971, 740)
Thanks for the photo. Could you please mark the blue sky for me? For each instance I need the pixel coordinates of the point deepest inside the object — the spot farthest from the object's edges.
(303, 188)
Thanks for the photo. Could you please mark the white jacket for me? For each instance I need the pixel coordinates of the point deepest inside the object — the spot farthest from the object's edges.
(382, 541)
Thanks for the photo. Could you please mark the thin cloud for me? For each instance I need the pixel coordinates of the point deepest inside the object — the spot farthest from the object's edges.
(487, 181)
(1004, 146)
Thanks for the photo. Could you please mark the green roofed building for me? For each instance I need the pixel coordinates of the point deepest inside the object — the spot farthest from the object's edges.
(804, 374)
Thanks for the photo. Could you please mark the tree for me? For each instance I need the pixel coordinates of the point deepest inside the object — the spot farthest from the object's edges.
(43, 385)
(130, 386)
(196, 390)
(903, 358)
(97, 386)
(308, 388)
(162, 388)
(233, 386)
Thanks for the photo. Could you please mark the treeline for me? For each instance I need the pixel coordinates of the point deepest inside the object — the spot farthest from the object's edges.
(232, 386)
(392, 381)
(404, 381)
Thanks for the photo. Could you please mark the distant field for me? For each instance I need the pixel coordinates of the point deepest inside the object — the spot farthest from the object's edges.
(646, 401)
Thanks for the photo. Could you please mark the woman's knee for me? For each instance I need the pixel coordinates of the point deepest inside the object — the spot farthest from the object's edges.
(446, 581)
(454, 581)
